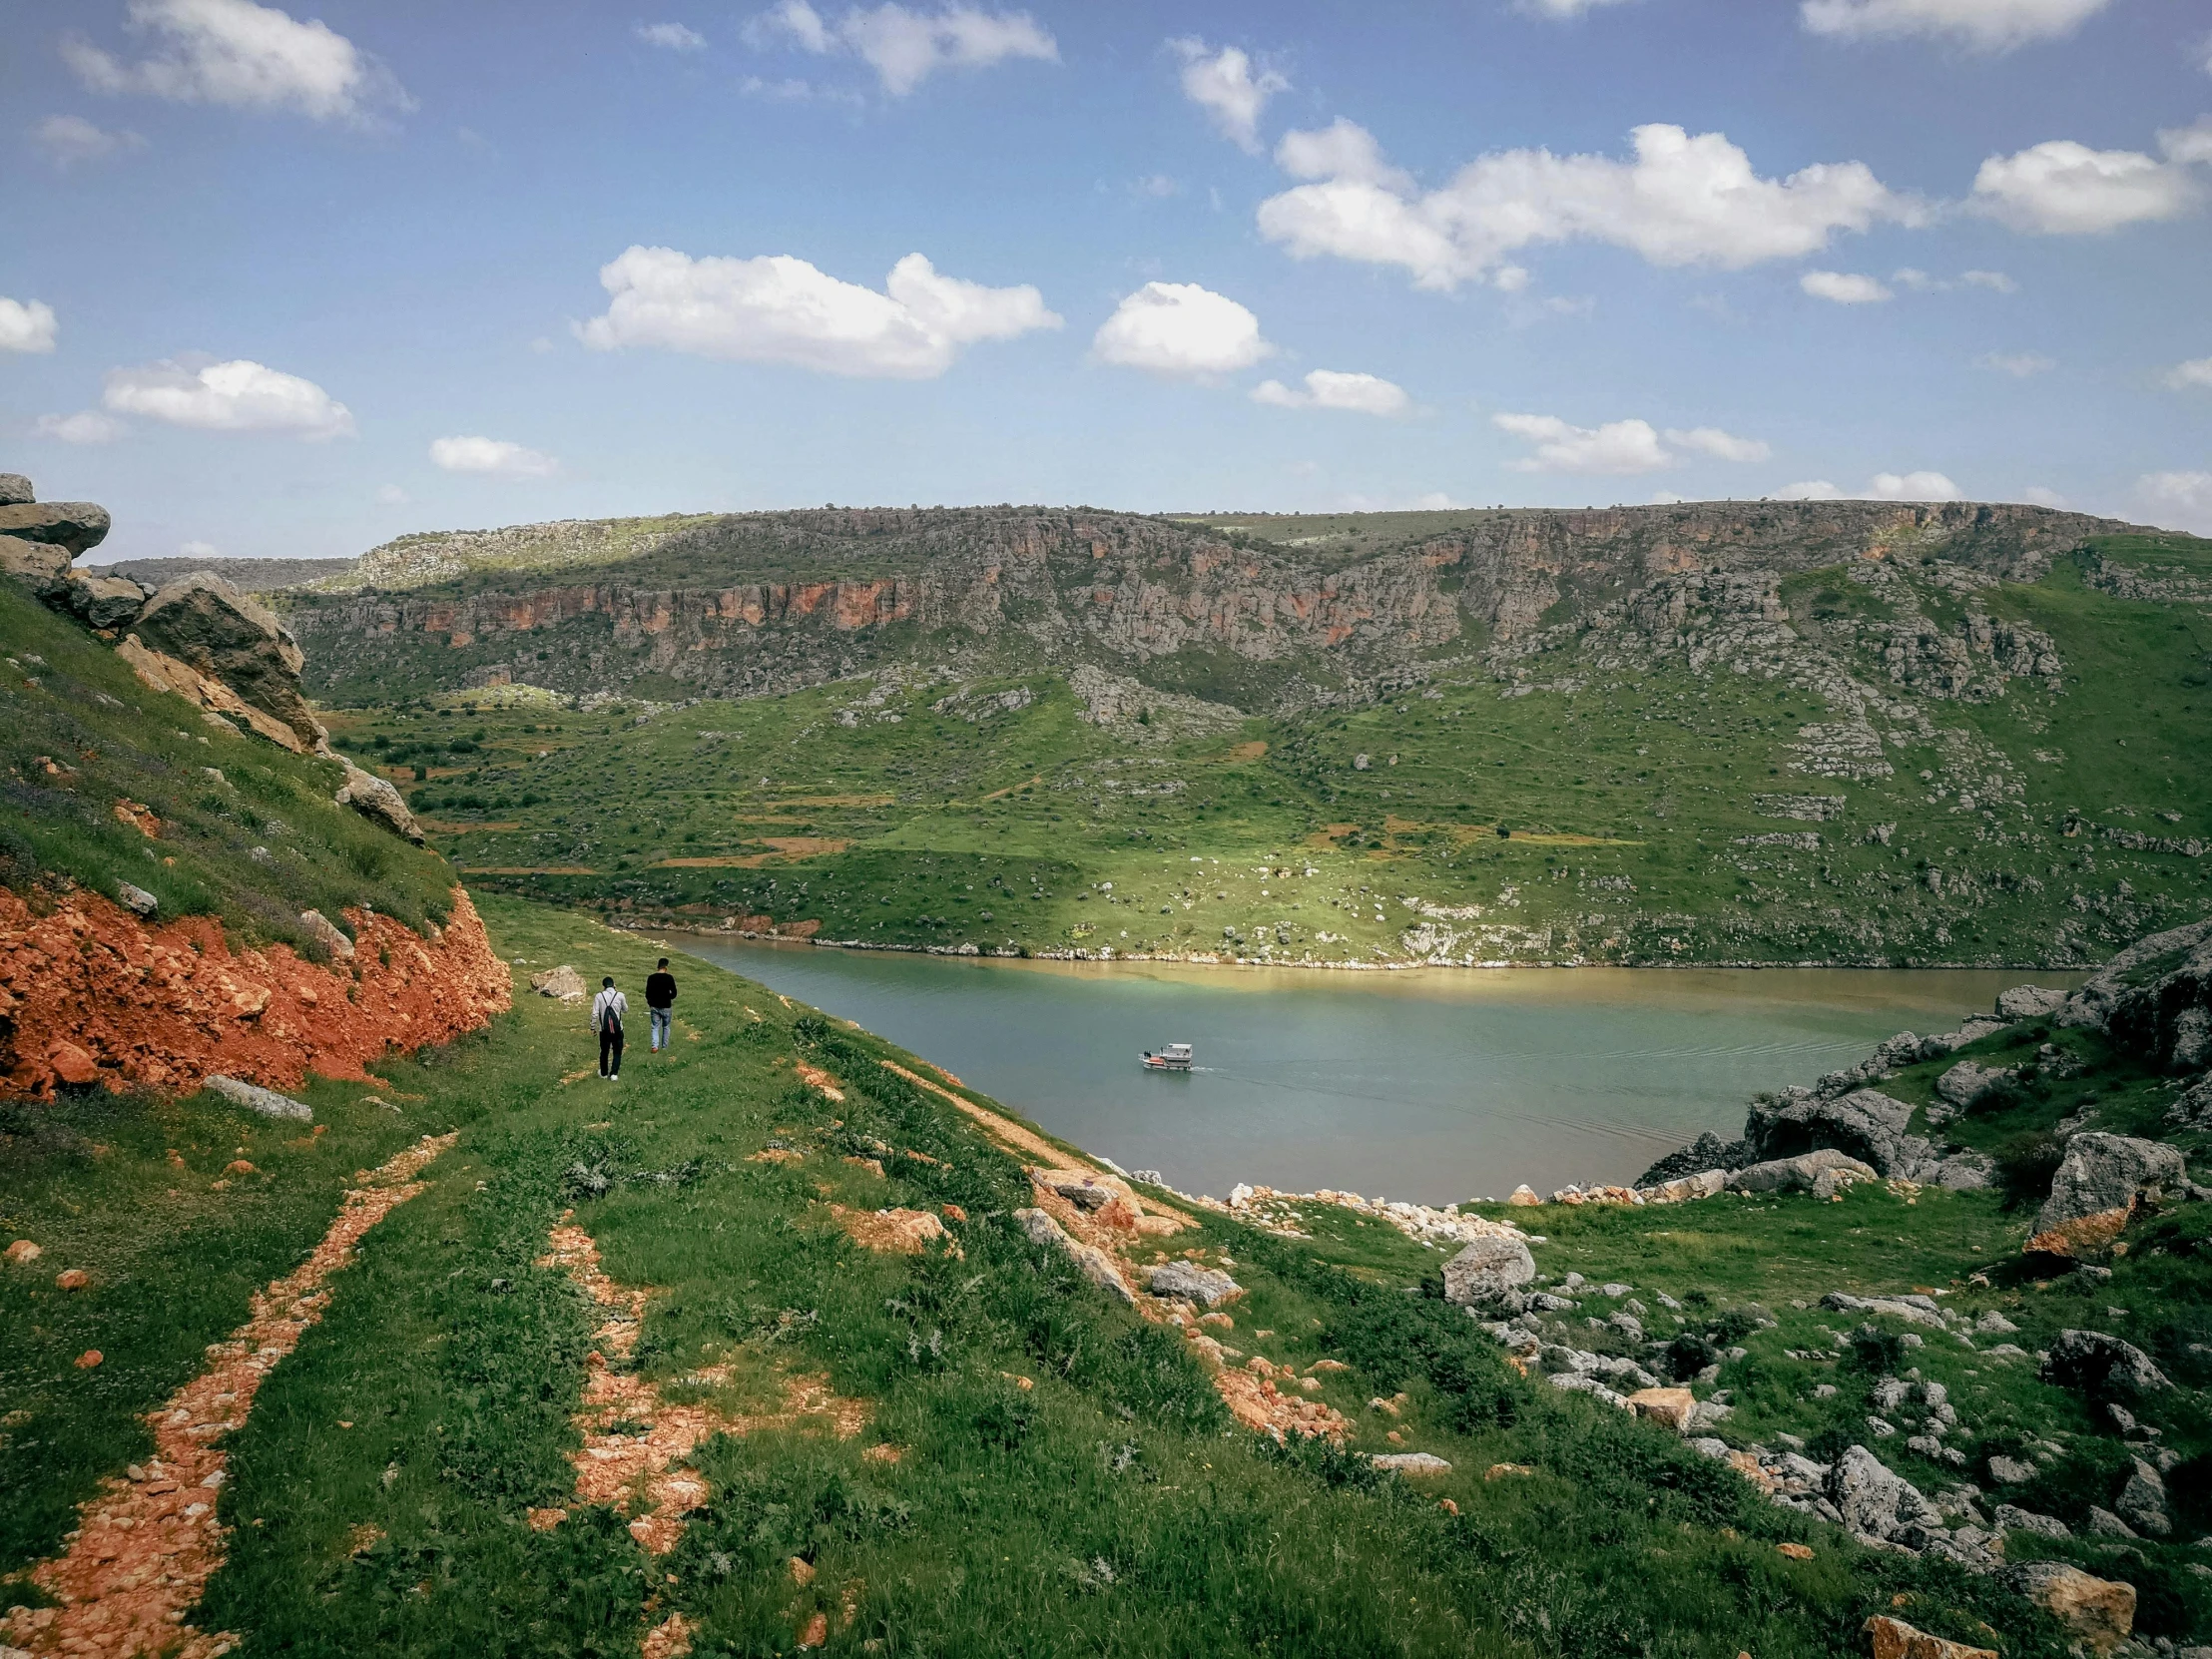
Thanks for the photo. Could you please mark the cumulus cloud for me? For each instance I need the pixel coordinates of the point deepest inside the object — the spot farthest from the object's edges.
(70, 140)
(27, 325)
(1920, 281)
(198, 550)
(1180, 329)
(1619, 447)
(236, 396)
(780, 310)
(2019, 364)
(491, 458)
(1328, 390)
(1681, 201)
(2192, 143)
(1223, 84)
(1984, 25)
(2061, 188)
(903, 47)
(2035, 495)
(2178, 500)
(1564, 10)
(2197, 372)
(671, 37)
(235, 53)
(1810, 489)
(1844, 287)
(85, 427)
(1883, 487)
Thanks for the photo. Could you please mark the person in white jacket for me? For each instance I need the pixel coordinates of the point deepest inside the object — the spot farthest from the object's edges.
(607, 1009)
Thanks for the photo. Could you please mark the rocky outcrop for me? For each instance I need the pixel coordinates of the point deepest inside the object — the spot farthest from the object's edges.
(2101, 1366)
(2100, 1185)
(218, 704)
(73, 526)
(1494, 1265)
(2099, 1613)
(227, 636)
(2154, 998)
(15, 489)
(1864, 1124)
(1823, 1172)
(376, 799)
(91, 995)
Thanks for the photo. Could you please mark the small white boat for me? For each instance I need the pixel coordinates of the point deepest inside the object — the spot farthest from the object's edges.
(1174, 1057)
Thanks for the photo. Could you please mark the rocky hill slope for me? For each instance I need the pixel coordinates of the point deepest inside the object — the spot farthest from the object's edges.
(192, 882)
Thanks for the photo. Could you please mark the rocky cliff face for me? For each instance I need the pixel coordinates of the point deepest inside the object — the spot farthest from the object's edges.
(763, 602)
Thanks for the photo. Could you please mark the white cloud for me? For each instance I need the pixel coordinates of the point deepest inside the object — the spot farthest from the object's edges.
(85, 427)
(1341, 150)
(2019, 364)
(1223, 84)
(1985, 25)
(2178, 500)
(1179, 328)
(1437, 502)
(1681, 200)
(491, 458)
(391, 495)
(903, 47)
(1720, 445)
(2192, 143)
(236, 53)
(1564, 9)
(1994, 281)
(1328, 390)
(1883, 487)
(1844, 287)
(1620, 446)
(2061, 188)
(27, 325)
(672, 37)
(1920, 281)
(1911, 487)
(198, 550)
(69, 139)
(2197, 372)
(780, 310)
(236, 396)
(2038, 496)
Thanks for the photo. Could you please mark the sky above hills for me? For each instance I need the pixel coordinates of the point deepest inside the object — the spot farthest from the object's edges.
(296, 282)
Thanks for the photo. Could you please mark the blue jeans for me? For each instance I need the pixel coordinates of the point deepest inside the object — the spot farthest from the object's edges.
(661, 1019)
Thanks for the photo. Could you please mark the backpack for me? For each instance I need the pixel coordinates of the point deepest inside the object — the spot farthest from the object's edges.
(610, 1021)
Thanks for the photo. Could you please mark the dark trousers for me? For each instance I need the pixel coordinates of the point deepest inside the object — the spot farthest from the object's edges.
(610, 1051)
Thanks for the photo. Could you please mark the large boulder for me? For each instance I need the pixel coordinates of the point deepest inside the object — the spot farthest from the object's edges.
(2154, 1000)
(2099, 1613)
(1707, 1152)
(2030, 1002)
(224, 634)
(1492, 1265)
(1823, 1172)
(39, 566)
(75, 526)
(2102, 1181)
(15, 489)
(101, 601)
(1874, 1501)
(1890, 1638)
(376, 799)
(1866, 1124)
(1967, 1082)
(2101, 1366)
(1188, 1282)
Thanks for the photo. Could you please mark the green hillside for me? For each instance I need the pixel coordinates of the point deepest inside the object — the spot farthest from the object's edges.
(1580, 799)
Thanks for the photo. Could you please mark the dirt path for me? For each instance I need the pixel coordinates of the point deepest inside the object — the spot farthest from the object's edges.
(147, 1544)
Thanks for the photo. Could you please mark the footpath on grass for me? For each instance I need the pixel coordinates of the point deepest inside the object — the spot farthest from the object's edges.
(791, 1341)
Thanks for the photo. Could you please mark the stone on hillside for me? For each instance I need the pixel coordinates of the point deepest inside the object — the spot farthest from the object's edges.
(2094, 1362)
(1994, 1324)
(1669, 1406)
(1078, 1188)
(2142, 1501)
(2100, 1182)
(563, 982)
(15, 489)
(75, 526)
(2103, 1523)
(268, 1102)
(2192, 1108)
(1802, 1173)
(1192, 1283)
(376, 799)
(224, 634)
(2099, 1612)
(1686, 1189)
(1874, 1501)
(1866, 1124)
(2013, 1518)
(1091, 1262)
(1522, 1196)
(2030, 1002)
(137, 899)
(1411, 1462)
(1708, 1151)
(328, 933)
(35, 564)
(1890, 1638)
(2166, 1021)
(1966, 1082)
(101, 601)
(1493, 1265)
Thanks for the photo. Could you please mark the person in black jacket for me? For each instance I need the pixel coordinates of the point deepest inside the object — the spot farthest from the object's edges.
(660, 1003)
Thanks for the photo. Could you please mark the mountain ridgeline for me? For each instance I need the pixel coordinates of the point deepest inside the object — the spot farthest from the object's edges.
(1267, 613)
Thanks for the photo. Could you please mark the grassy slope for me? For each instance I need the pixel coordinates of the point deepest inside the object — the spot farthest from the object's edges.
(78, 733)
(1625, 807)
(1109, 1510)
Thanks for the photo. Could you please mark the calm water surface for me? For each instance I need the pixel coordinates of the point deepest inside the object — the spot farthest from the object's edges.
(1431, 1085)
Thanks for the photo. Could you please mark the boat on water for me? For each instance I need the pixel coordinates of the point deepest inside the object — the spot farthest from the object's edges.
(1172, 1057)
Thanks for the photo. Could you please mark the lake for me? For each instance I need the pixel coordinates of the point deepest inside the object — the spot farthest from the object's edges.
(1431, 1084)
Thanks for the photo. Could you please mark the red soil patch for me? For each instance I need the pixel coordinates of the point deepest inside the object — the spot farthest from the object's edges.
(96, 995)
(147, 1544)
(898, 1232)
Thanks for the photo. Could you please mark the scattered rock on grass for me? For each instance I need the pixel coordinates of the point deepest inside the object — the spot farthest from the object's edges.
(1492, 1264)
(2101, 1183)
(1192, 1283)
(563, 982)
(268, 1102)
(1669, 1406)
(1411, 1462)
(1895, 1639)
(2099, 1612)
(2097, 1364)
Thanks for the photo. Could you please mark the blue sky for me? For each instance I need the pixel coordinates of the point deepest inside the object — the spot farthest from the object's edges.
(297, 282)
